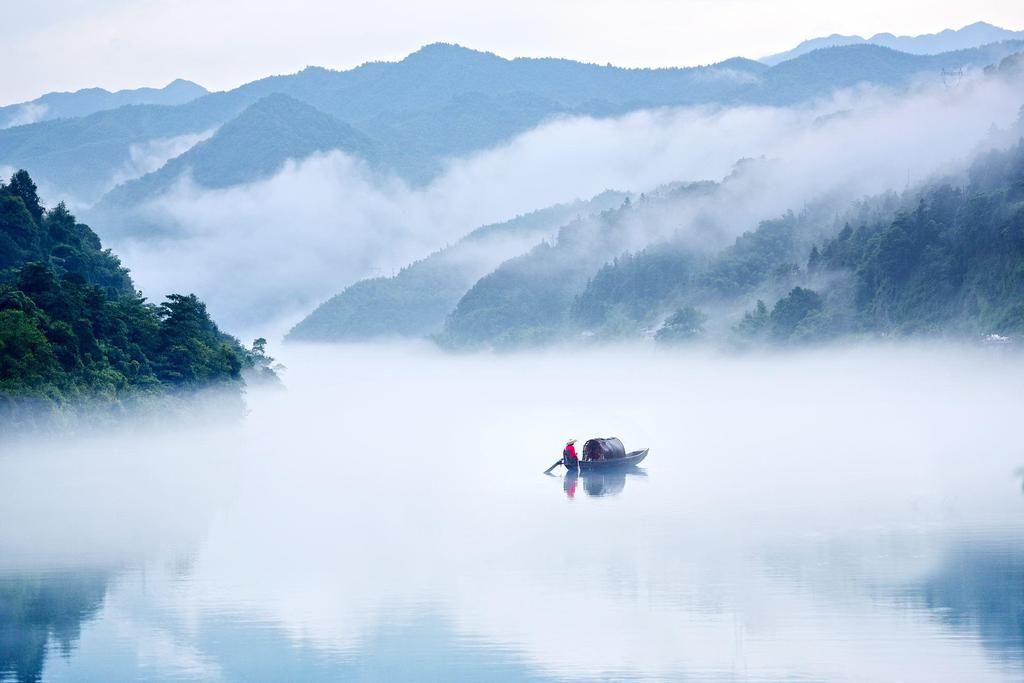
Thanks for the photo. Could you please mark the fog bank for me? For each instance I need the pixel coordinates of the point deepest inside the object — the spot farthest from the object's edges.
(264, 254)
(798, 495)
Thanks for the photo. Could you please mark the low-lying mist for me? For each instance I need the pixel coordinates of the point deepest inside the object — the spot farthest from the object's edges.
(266, 253)
(784, 492)
(774, 432)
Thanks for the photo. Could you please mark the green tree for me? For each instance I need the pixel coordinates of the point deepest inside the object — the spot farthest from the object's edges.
(791, 310)
(26, 357)
(754, 323)
(814, 259)
(685, 325)
(73, 327)
(23, 187)
(194, 350)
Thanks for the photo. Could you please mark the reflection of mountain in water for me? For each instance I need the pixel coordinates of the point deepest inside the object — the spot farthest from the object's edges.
(35, 609)
(981, 588)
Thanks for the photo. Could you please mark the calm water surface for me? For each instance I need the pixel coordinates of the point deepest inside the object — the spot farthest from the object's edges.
(848, 515)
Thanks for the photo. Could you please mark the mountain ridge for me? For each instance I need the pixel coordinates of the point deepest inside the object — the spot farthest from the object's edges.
(414, 302)
(446, 100)
(948, 40)
(268, 132)
(85, 101)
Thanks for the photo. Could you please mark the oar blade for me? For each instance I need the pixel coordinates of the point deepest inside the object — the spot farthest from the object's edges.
(557, 463)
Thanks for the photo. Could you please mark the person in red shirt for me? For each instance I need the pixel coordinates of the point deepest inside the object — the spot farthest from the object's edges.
(569, 458)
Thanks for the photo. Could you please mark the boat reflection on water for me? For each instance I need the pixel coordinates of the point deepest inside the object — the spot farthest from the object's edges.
(605, 483)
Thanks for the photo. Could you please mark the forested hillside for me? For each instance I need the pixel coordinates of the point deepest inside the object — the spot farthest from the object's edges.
(944, 259)
(530, 299)
(955, 263)
(634, 293)
(415, 301)
(72, 326)
(255, 144)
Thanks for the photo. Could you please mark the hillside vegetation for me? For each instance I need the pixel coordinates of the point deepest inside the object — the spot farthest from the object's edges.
(947, 259)
(73, 329)
(943, 259)
(415, 301)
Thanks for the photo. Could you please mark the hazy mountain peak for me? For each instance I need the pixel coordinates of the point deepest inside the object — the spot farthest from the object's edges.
(87, 101)
(741, 64)
(185, 84)
(253, 145)
(949, 40)
(441, 52)
(275, 102)
(445, 101)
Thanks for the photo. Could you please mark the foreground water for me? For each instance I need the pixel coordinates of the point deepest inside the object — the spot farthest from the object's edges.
(843, 515)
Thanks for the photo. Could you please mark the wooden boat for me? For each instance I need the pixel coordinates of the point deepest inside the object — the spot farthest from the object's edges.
(626, 461)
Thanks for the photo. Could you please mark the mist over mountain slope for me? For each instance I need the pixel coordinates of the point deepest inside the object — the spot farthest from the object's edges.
(794, 292)
(345, 222)
(945, 259)
(530, 299)
(816, 158)
(89, 155)
(270, 198)
(447, 100)
(63, 105)
(415, 301)
(975, 35)
(253, 145)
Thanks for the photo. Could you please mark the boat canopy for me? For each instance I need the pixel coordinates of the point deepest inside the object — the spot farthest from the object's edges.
(603, 449)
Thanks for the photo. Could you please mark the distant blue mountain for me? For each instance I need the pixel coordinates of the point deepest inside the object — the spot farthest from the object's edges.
(254, 144)
(415, 301)
(950, 40)
(439, 102)
(63, 105)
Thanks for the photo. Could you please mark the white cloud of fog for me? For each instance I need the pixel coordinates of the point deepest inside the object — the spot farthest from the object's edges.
(273, 249)
(30, 112)
(146, 157)
(774, 527)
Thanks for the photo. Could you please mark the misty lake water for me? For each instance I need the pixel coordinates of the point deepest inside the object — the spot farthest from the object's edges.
(839, 515)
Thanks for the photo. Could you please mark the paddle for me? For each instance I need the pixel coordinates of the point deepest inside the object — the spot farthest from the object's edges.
(557, 463)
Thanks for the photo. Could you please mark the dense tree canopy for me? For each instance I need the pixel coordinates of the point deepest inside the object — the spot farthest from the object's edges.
(955, 263)
(946, 258)
(73, 327)
(415, 301)
(685, 325)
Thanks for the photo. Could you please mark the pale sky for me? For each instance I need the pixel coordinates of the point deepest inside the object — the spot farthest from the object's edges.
(53, 45)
